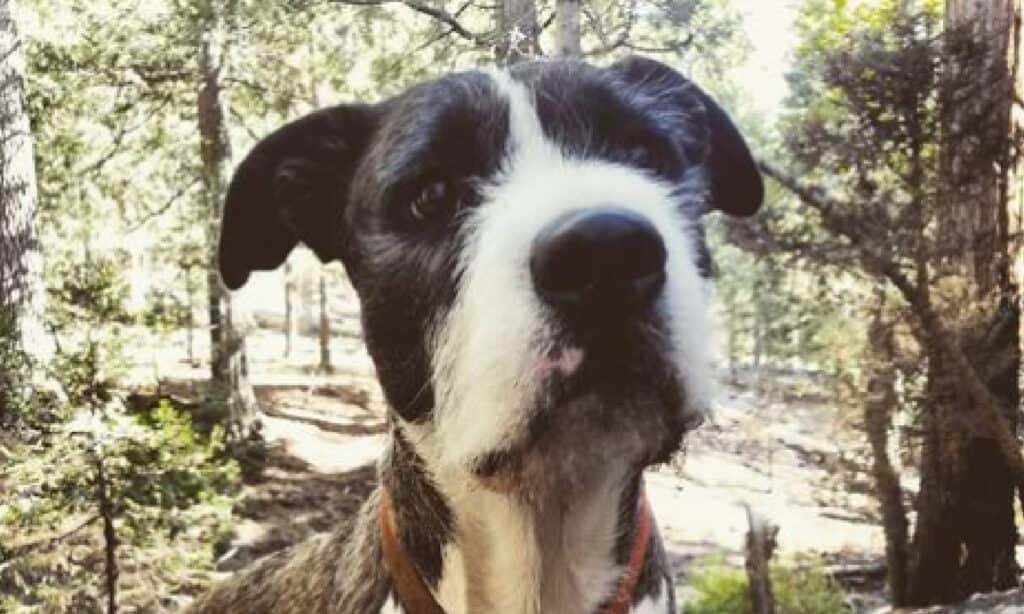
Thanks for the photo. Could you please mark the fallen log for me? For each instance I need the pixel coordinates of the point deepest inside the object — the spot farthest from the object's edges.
(1008, 602)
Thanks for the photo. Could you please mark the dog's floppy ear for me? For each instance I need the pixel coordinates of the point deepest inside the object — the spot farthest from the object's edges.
(736, 185)
(292, 188)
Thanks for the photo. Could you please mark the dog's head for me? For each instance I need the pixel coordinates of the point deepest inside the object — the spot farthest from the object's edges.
(527, 249)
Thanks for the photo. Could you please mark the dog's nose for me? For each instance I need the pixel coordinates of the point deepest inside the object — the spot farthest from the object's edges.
(601, 260)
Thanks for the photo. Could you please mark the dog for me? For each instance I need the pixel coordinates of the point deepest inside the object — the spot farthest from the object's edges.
(526, 245)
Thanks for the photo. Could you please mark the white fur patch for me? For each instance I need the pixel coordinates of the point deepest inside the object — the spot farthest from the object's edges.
(491, 352)
(453, 591)
(655, 605)
(391, 607)
(511, 557)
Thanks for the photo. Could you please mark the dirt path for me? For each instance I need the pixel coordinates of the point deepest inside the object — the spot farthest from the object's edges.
(770, 446)
(784, 458)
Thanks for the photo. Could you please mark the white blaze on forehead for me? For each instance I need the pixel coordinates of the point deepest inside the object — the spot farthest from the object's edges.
(526, 135)
(492, 351)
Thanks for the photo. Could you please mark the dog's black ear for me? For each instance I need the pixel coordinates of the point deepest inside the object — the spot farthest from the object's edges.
(736, 185)
(292, 188)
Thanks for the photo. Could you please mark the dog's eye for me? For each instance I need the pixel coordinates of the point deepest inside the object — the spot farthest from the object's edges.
(655, 157)
(436, 201)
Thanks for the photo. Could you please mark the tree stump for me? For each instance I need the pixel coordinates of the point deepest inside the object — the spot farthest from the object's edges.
(761, 542)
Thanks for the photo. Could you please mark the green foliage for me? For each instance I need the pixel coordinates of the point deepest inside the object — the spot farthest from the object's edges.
(781, 310)
(165, 487)
(800, 589)
(27, 401)
(720, 590)
(90, 290)
(164, 311)
(784, 298)
(172, 492)
(15, 371)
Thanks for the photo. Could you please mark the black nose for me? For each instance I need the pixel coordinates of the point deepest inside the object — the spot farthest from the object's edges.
(601, 260)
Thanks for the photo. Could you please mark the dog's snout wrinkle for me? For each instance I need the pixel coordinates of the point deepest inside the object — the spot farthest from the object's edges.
(606, 259)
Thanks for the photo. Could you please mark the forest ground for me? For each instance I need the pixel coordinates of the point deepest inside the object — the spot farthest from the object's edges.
(776, 442)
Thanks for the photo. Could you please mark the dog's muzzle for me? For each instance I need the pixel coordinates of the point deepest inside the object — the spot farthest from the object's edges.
(599, 263)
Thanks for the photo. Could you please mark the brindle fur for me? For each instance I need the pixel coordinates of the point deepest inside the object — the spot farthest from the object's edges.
(341, 572)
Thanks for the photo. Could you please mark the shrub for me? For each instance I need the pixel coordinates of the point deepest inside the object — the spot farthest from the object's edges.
(800, 588)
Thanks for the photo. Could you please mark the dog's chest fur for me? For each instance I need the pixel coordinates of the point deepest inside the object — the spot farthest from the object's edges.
(481, 550)
(509, 558)
(343, 573)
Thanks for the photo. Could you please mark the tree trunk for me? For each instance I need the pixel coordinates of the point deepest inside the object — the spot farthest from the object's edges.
(325, 328)
(935, 562)
(979, 190)
(987, 487)
(289, 316)
(190, 318)
(518, 32)
(21, 283)
(878, 411)
(966, 533)
(110, 539)
(228, 363)
(567, 22)
(762, 538)
(760, 330)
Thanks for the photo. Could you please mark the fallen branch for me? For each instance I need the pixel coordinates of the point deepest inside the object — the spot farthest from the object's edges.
(1006, 602)
(857, 575)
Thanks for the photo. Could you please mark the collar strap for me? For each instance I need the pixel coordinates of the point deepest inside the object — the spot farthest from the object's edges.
(623, 601)
(414, 596)
(409, 587)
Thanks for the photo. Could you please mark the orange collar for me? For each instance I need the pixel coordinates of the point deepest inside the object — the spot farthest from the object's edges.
(416, 598)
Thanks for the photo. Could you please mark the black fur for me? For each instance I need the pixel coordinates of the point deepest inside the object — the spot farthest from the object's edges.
(736, 184)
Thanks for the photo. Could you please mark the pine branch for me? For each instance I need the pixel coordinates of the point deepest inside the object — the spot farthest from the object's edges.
(23, 549)
(151, 214)
(423, 8)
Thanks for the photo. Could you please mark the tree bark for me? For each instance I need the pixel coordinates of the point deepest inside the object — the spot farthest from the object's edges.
(21, 284)
(567, 22)
(518, 32)
(991, 25)
(878, 411)
(934, 565)
(228, 364)
(966, 533)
